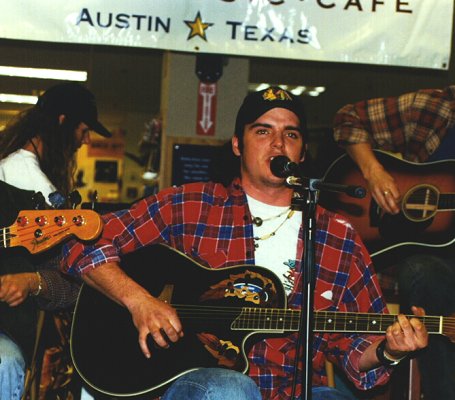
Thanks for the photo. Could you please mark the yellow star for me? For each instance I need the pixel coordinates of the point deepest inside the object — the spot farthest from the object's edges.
(197, 27)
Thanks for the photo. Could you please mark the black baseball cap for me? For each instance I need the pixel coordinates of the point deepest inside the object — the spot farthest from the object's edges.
(76, 102)
(257, 103)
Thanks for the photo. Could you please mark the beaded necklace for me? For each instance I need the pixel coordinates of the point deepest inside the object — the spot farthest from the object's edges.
(273, 233)
(258, 221)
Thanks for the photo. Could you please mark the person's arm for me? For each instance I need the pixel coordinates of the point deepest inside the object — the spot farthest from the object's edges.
(15, 288)
(404, 336)
(98, 264)
(356, 353)
(381, 184)
(398, 124)
(150, 315)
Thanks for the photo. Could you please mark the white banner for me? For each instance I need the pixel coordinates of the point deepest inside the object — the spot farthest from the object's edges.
(412, 33)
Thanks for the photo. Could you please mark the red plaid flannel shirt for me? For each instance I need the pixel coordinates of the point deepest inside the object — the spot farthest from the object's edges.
(412, 124)
(212, 225)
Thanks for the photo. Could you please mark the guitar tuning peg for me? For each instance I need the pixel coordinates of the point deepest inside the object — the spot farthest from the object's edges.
(57, 200)
(38, 200)
(93, 197)
(75, 198)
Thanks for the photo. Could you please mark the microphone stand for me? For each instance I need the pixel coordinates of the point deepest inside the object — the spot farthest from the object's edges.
(308, 205)
(305, 334)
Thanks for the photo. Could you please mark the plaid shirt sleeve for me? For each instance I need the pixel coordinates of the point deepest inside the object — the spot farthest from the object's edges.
(412, 124)
(124, 231)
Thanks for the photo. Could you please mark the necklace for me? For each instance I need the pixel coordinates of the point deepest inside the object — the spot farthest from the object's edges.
(273, 233)
(258, 220)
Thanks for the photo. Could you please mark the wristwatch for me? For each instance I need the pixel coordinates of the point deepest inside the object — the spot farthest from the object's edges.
(384, 358)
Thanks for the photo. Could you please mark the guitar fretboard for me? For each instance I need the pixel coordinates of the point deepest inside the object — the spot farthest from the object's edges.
(5, 237)
(446, 202)
(277, 320)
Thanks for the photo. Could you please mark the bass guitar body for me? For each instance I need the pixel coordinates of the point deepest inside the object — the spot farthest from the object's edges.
(427, 205)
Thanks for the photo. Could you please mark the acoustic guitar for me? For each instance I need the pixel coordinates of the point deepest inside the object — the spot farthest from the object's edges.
(221, 311)
(39, 230)
(427, 217)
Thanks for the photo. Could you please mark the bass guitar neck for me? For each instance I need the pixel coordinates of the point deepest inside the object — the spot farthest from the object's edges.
(39, 230)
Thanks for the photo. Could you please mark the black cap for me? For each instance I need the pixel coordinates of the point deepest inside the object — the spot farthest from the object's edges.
(258, 103)
(75, 101)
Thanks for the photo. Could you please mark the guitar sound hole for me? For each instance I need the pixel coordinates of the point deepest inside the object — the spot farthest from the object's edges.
(421, 203)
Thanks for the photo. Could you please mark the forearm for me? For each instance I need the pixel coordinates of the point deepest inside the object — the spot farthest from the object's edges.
(362, 154)
(150, 315)
(114, 283)
(369, 360)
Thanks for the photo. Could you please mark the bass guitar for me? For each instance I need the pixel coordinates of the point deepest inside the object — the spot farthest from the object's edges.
(427, 217)
(35, 231)
(39, 230)
(220, 309)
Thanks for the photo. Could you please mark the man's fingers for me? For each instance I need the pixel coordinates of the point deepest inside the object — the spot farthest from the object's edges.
(419, 311)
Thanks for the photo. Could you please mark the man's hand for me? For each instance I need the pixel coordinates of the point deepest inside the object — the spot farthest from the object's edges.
(406, 335)
(381, 184)
(15, 288)
(154, 317)
(384, 190)
(150, 315)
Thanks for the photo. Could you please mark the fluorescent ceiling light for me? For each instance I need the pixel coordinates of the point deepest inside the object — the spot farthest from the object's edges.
(44, 73)
(18, 98)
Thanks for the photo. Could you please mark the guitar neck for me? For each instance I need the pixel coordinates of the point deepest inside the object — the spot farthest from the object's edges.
(38, 230)
(446, 202)
(277, 320)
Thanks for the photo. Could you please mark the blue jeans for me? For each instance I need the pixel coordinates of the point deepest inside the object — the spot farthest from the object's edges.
(222, 384)
(12, 369)
(213, 384)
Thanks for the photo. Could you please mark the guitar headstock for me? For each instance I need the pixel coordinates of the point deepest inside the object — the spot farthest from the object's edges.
(39, 230)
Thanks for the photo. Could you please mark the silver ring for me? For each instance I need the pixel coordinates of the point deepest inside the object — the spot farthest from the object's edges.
(386, 192)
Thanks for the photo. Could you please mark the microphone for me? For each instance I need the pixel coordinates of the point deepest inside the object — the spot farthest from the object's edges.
(282, 167)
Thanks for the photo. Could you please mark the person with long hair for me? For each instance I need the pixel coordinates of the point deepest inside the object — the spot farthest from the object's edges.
(37, 153)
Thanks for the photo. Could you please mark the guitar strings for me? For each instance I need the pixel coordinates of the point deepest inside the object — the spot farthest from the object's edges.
(188, 311)
(22, 234)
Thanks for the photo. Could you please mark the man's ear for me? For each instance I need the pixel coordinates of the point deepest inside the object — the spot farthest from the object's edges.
(302, 158)
(61, 118)
(235, 145)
